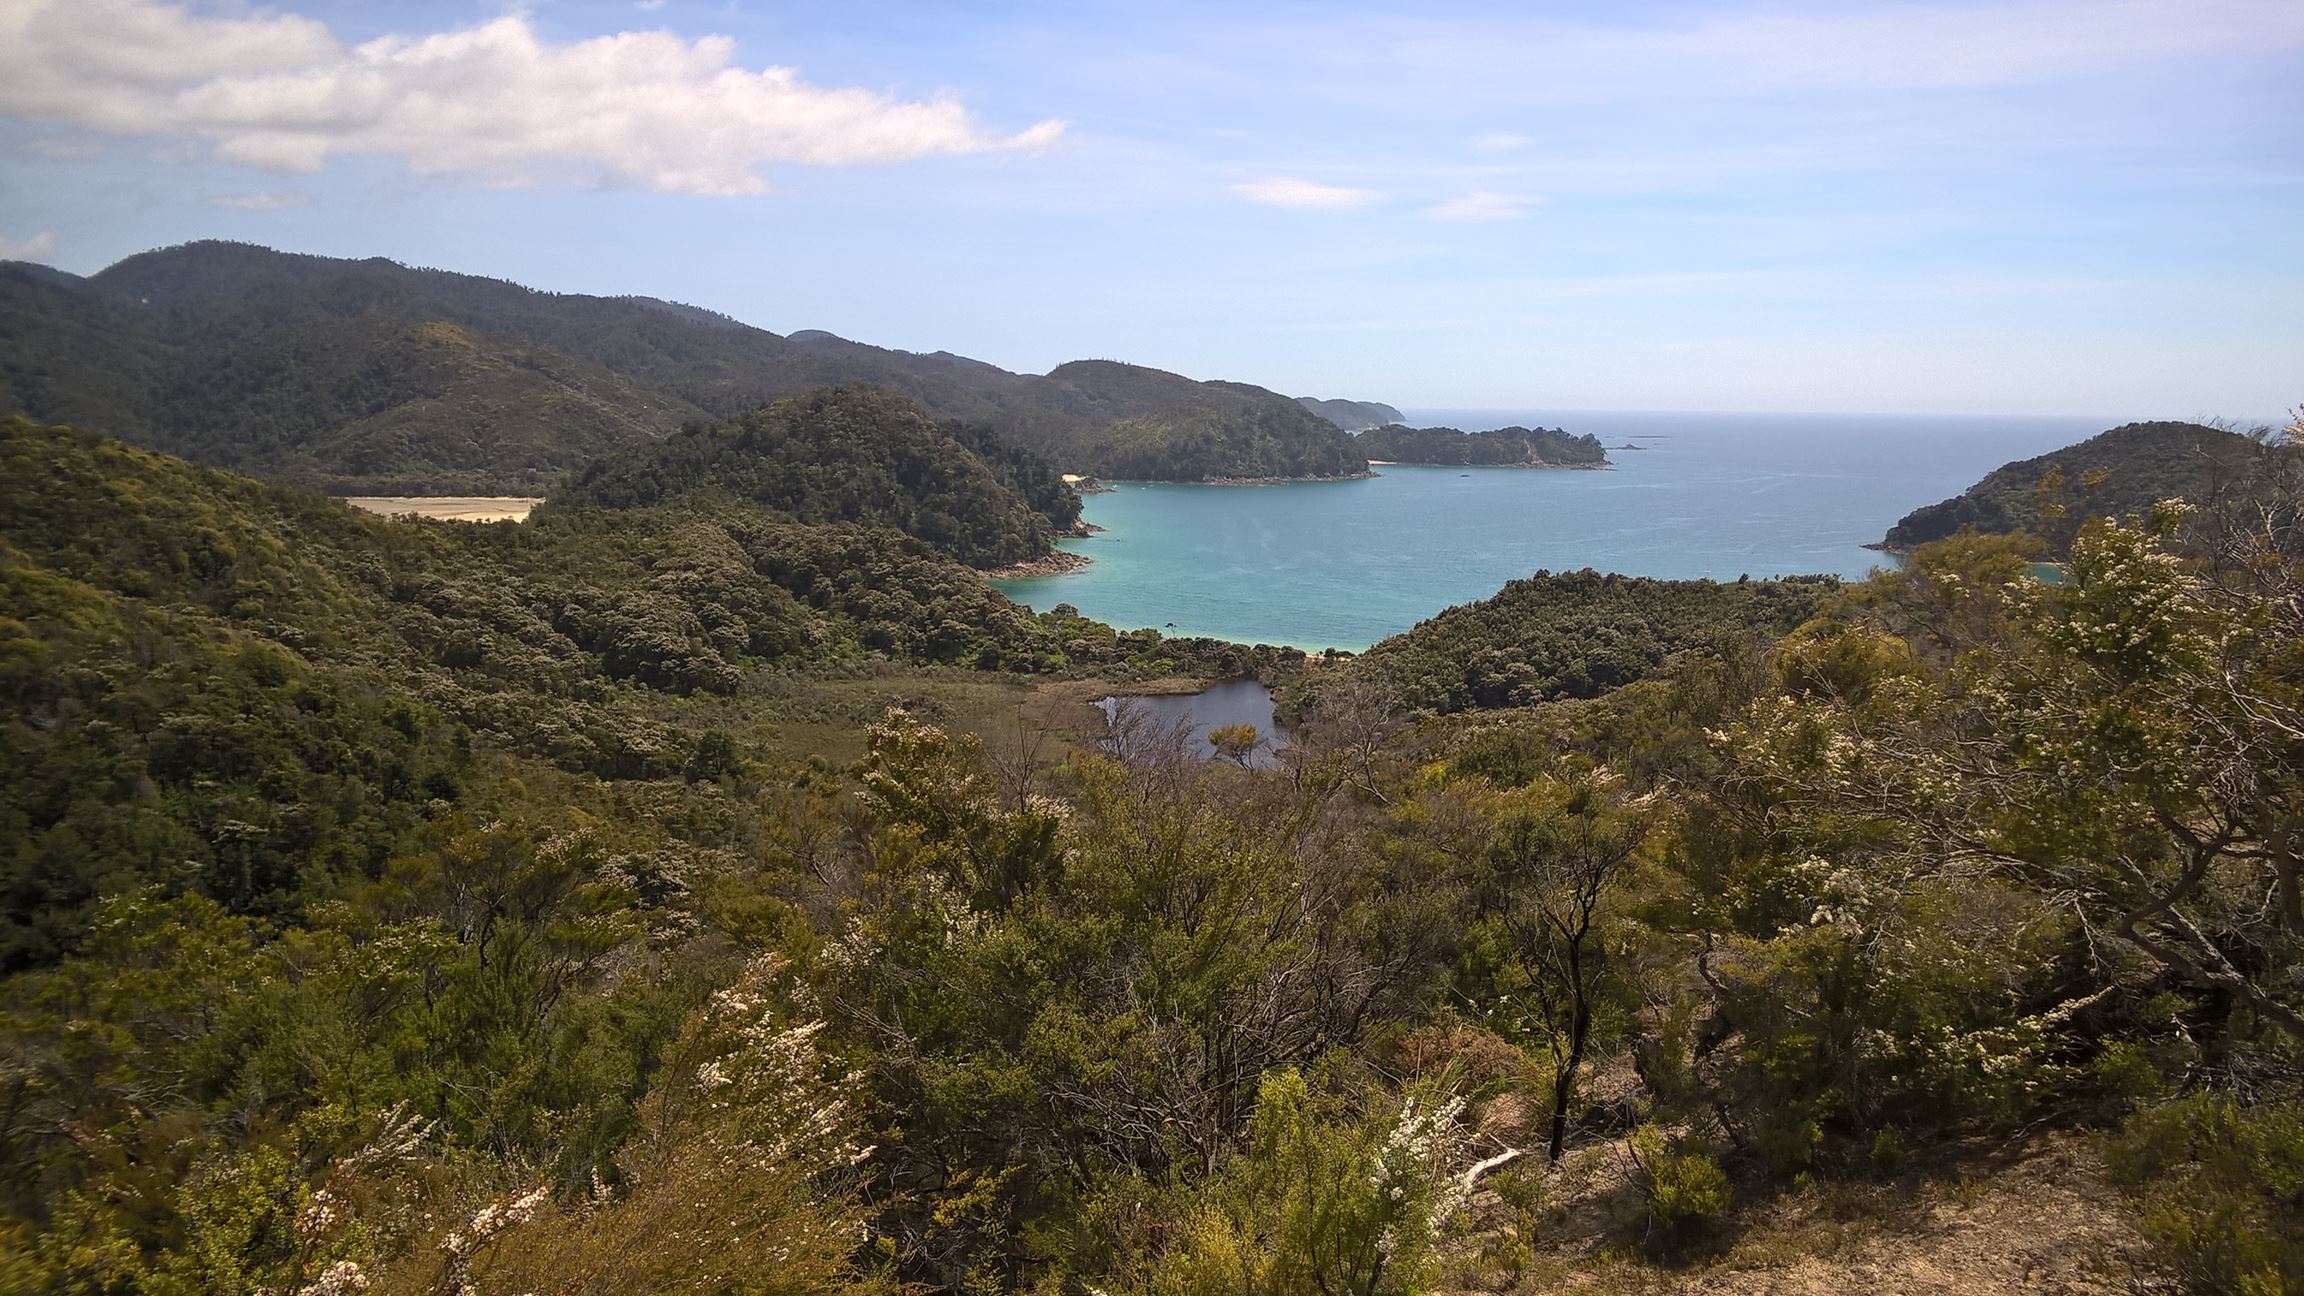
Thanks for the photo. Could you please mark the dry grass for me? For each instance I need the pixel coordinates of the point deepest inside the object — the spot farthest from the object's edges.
(2039, 1217)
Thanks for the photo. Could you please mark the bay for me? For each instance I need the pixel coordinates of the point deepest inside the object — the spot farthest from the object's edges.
(1343, 564)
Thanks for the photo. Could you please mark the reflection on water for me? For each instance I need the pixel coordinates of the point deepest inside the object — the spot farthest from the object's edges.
(1233, 702)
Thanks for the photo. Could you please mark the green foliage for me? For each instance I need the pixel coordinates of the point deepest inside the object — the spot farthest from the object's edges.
(2113, 474)
(1235, 742)
(1681, 1184)
(739, 1177)
(1321, 1199)
(2221, 1186)
(1128, 423)
(847, 454)
(1503, 447)
(1350, 415)
(397, 906)
(1577, 635)
(369, 377)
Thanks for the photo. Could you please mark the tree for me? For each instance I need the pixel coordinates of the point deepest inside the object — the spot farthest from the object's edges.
(1554, 856)
(1236, 743)
(2133, 755)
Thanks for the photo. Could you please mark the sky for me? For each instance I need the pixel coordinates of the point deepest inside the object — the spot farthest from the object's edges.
(2015, 207)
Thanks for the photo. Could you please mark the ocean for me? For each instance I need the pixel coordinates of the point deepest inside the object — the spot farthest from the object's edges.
(1344, 564)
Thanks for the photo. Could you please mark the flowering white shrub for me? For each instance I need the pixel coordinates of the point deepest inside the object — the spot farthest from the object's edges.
(741, 1178)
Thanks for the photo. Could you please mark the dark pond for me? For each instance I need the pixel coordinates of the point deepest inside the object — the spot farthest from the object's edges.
(1230, 703)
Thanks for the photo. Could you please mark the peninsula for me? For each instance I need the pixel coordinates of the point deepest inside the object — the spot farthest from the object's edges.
(2112, 474)
(1507, 447)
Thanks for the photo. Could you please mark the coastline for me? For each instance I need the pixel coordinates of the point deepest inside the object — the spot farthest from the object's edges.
(1240, 481)
(1055, 563)
(448, 508)
(1601, 466)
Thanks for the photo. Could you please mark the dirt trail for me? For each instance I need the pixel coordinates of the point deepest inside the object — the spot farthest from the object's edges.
(2041, 1218)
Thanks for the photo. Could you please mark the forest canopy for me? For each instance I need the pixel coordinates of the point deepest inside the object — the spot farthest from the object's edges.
(1502, 447)
(403, 907)
(2114, 474)
(373, 378)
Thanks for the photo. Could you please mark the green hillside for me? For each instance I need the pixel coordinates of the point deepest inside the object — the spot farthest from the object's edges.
(187, 650)
(373, 377)
(851, 454)
(1580, 634)
(2112, 474)
(682, 897)
(1351, 415)
(1502, 447)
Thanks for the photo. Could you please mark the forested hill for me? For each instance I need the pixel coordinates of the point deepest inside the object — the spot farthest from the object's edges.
(367, 375)
(653, 900)
(2112, 474)
(853, 454)
(1580, 634)
(1131, 423)
(1351, 415)
(1507, 447)
(260, 692)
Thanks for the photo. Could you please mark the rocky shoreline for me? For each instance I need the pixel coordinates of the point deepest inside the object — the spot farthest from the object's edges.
(1279, 481)
(1601, 466)
(1116, 482)
(1053, 564)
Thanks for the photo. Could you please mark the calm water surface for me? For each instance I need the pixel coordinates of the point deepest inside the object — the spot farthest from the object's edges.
(1343, 564)
(1229, 703)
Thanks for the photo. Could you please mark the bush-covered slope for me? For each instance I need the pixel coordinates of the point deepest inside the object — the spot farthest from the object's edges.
(1509, 446)
(260, 686)
(386, 378)
(852, 454)
(333, 960)
(1578, 635)
(2112, 474)
(1127, 422)
(1351, 415)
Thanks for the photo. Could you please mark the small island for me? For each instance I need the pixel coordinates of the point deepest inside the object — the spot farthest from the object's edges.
(1507, 447)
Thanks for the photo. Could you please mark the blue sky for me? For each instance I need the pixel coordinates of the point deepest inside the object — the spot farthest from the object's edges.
(2036, 206)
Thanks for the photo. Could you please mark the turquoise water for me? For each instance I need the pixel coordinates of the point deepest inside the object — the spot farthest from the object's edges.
(1343, 564)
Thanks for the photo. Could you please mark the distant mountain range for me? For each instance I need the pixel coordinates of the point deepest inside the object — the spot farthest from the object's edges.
(1352, 416)
(371, 376)
(2112, 474)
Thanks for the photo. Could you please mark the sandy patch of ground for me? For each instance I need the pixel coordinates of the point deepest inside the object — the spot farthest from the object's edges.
(2038, 1217)
(449, 508)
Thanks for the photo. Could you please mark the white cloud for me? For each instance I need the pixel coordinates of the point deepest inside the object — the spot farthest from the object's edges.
(647, 6)
(270, 200)
(496, 101)
(39, 247)
(1500, 142)
(1481, 205)
(1285, 191)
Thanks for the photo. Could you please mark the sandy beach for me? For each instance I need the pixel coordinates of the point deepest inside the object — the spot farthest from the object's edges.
(448, 508)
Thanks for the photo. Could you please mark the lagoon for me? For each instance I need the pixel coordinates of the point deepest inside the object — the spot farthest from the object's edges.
(1342, 564)
(1230, 702)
